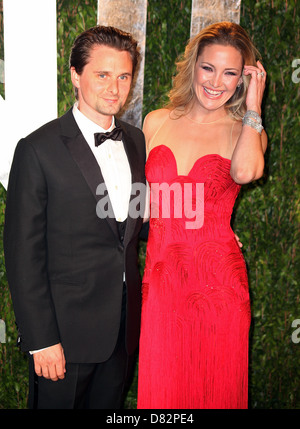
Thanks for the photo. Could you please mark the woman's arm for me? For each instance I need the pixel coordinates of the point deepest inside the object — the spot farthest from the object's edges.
(247, 163)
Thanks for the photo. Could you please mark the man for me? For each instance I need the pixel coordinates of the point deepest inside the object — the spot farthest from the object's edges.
(66, 263)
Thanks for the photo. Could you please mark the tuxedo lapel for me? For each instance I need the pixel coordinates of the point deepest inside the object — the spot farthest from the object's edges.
(131, 153)
(134, 163)
(84, 158)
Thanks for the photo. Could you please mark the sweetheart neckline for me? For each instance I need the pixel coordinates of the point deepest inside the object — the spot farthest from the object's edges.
(199, 159)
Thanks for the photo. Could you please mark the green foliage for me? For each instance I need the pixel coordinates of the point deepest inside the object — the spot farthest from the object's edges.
(13, 388)
(168, 31)
(267, 218)
(267, 212)
(73, 18)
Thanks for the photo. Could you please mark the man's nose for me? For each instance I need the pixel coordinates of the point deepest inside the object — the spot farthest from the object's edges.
(113, 86)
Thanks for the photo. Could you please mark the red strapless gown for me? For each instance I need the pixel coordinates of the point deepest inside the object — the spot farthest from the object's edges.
(196, 309)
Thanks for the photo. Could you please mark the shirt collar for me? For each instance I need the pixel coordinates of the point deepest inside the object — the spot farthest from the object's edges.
(88, 127)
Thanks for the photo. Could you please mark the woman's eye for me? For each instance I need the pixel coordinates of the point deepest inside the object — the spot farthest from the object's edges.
(207, 68)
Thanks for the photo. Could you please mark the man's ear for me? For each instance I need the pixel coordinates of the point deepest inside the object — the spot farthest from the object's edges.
(75, 78)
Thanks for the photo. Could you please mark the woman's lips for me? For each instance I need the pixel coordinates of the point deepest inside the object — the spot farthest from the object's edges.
(210, 93)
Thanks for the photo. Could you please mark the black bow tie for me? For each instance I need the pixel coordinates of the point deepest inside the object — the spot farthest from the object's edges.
(115, 134)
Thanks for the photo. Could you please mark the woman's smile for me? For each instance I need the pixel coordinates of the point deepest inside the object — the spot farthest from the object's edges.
(212, 93)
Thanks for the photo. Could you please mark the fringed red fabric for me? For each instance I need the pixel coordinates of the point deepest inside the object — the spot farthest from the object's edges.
(196, 309)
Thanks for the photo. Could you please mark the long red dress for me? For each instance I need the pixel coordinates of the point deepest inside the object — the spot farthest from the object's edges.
(196, 309)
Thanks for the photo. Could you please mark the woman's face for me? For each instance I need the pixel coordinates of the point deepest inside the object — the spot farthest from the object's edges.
(218, 71)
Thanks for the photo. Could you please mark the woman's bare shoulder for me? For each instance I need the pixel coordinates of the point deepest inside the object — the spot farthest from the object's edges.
(155, 118)
(152, 122)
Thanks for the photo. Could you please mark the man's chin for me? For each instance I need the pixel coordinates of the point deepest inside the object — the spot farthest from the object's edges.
(110, 110)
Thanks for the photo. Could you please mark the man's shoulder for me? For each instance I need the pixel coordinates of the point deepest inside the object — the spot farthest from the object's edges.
(131, 130)
(49, 130)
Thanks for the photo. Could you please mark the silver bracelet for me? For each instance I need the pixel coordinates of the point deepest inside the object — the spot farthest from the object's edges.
(255, 125)
(254, 115)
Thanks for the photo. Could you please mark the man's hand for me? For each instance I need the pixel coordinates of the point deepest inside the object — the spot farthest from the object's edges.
(238, 241)
(50, 362)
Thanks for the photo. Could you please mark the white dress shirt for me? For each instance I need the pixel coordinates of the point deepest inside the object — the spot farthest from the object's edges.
(112, 160)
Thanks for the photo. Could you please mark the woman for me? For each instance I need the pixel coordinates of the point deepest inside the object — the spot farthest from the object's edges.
(196, 309)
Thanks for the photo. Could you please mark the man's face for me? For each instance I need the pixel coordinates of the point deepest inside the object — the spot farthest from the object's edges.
(104, 84)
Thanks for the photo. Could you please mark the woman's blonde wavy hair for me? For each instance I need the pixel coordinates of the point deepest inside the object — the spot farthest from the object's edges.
(221, 33)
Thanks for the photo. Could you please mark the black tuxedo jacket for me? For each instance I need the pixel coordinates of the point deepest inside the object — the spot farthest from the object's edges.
(64, 263)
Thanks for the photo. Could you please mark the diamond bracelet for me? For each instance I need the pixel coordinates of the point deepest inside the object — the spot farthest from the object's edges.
(253, 115)
(253, 119)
